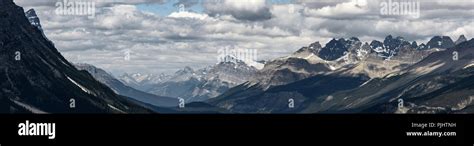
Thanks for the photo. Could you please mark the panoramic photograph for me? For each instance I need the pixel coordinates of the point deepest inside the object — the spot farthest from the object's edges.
(236, 57)
(249, 56)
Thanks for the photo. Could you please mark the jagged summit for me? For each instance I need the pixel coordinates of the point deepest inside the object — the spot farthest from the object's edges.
(33, 18)
(443, 42)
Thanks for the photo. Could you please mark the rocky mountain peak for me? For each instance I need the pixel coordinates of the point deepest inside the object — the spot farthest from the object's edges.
(461, 39)
(443, 42)
(33, 18)
(334, 49)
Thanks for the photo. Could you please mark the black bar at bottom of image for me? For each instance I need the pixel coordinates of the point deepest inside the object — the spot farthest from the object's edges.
(316, 128)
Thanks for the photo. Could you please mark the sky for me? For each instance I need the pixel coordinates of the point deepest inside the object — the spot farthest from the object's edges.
(163, 36)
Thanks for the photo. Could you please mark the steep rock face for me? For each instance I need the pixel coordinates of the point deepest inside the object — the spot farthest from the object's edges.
(335, 49)
(390, 46)
(36, 78)
(35, 21)
(33, 18)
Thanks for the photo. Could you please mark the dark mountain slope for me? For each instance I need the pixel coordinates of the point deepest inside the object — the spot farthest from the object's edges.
(37, 78)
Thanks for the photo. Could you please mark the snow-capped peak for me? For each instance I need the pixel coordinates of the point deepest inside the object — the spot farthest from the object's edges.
(255, 64)
(247, 62)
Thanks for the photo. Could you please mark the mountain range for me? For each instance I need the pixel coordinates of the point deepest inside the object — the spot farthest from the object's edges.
(346, 56)
(193, 85)
(318, 79)
(346, 75)
(36, 78)
(426, 80)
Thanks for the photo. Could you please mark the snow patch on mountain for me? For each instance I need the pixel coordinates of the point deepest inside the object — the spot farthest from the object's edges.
(80, 86)
(469, 65)
(255, 64)
(115, 108)
(30, 108)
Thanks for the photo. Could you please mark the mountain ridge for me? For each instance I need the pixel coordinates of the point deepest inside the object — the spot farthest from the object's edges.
(38, 77)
